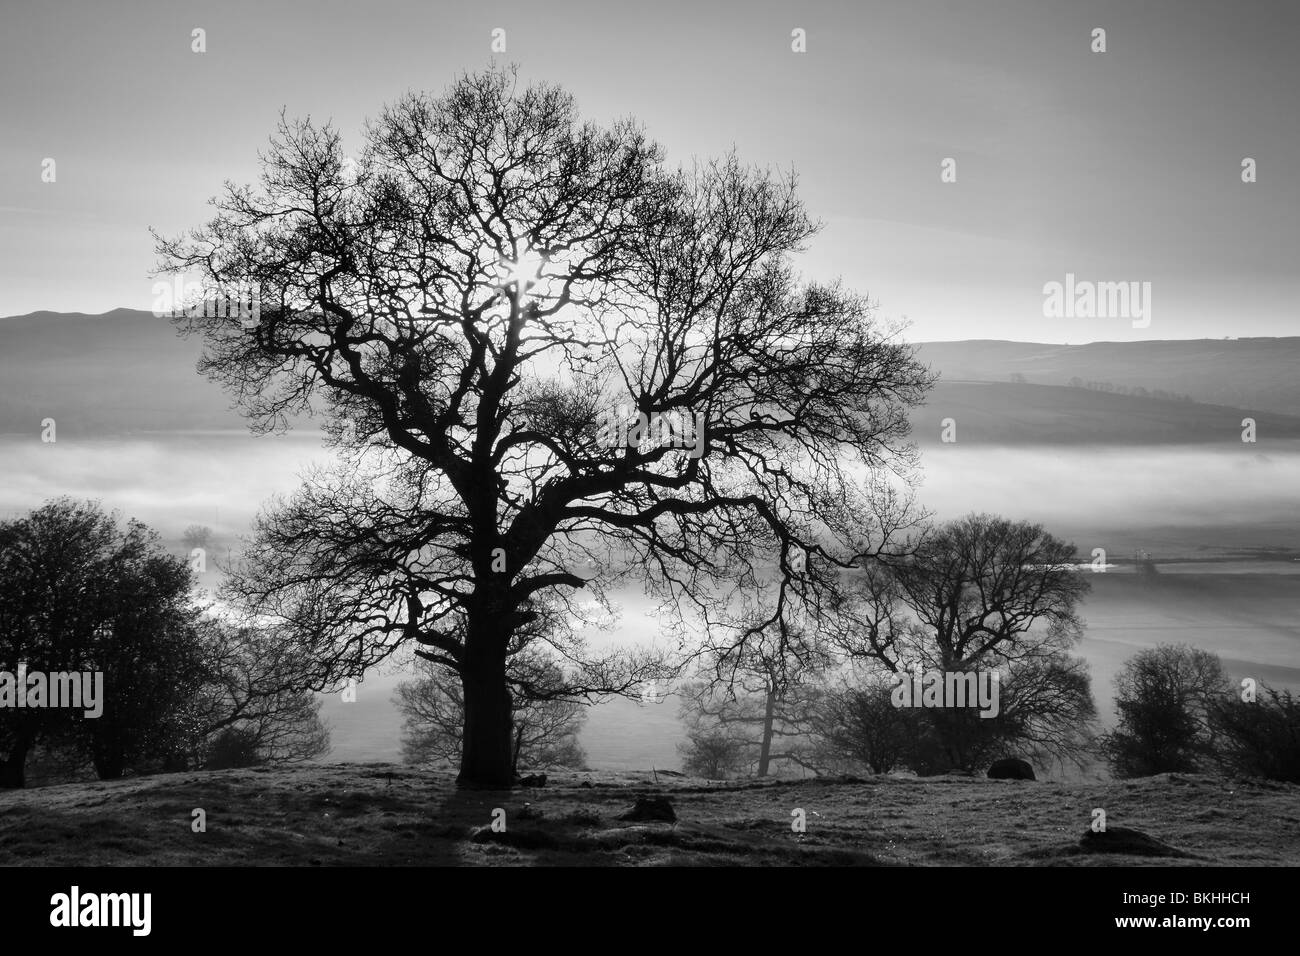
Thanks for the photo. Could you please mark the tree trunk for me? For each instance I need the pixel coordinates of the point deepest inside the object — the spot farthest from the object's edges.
(518, 748)
(487, 751)
(765, 748)
(107, 754)
(109, 766)
(13, 770)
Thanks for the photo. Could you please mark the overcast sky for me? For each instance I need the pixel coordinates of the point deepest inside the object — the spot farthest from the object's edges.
(1116, 166)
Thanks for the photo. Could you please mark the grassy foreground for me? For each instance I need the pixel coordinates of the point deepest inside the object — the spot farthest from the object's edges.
(385, 814)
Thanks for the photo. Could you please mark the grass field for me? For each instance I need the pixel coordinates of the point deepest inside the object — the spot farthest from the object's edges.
(387, 814)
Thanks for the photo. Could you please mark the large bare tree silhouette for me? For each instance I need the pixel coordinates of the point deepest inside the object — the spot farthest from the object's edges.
(483, 303)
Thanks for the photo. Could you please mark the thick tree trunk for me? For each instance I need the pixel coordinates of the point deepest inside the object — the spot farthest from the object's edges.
(107, 753)
(109, 766)
(13, 769)
(487, 748)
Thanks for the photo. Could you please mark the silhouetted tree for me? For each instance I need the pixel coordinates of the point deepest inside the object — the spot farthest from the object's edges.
(482, 302)
(253, 700)
(761, 691)
(713, 751)
(977, 594)
(765, 725)
(196, 536)
(1164, 698)
(79, 593)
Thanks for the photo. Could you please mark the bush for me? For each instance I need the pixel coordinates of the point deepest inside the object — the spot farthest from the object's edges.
(713, 754)
(1260, 738)
(862, 726)
(231, 748)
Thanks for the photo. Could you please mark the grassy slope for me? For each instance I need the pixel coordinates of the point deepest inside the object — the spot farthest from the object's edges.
(349, 815)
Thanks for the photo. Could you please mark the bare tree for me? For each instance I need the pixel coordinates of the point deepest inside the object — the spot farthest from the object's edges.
(713, 751)
(980, 593)
(252, 705)
(550, 362)
(765, 725)
(197, 536)
(433, 716)
(760, 692)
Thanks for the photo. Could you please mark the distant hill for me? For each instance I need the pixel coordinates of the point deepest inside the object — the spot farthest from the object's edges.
(1258, 373)
(1000, 413)
(126, 371)
(123, 371)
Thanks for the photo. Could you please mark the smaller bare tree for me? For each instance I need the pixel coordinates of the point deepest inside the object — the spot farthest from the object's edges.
(197, 536)
(981, 593)
(253, 706)
(761, 693)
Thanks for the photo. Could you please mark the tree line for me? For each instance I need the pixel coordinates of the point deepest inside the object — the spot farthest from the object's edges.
(1138, 391)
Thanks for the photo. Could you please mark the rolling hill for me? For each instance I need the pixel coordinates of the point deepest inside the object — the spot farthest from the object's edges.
(1001, 413)
(128, 372)
(1256, 373)
(100, 375)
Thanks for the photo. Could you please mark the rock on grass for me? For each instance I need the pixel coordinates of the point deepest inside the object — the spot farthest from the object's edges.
(651, 808)
(1128, 841)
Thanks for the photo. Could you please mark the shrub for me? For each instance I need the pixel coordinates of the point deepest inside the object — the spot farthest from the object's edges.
(231, 748)
(1260, 738)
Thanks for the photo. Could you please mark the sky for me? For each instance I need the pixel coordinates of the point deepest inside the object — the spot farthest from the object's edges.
(1115, 166)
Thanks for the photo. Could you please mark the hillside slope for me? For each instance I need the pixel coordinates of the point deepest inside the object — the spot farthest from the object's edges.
(1000, 413)
(99, 375)
(1247, 373)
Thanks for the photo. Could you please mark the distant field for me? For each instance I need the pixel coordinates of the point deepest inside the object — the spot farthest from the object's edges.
(380, 814)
